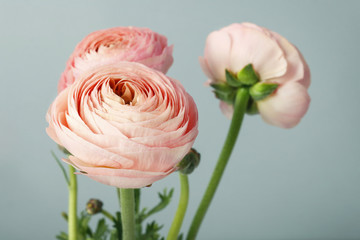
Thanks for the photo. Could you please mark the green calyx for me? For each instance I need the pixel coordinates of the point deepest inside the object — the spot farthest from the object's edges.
(248, 79)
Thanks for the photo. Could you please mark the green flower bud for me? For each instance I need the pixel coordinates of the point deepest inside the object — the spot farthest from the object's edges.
(94, 206)
(189, 162)
(261, 90)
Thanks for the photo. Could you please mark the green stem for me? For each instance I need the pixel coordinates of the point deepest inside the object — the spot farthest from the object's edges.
(118, 195)
(72, 218)
(180, 212)
(108, 215)
(127, 213)
(241, 101)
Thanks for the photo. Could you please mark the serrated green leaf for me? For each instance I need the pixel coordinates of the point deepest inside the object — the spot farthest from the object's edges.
(101, 229)
(180, 237)
(61, 167)
(62, 236)
(231, 79)
(262, 90)
(247, 75)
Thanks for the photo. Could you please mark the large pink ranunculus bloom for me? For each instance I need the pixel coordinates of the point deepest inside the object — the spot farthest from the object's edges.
(274, 59)
(125, 124)
(112, 45)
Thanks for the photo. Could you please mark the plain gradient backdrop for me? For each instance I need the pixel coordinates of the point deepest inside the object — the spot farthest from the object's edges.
(301, 183)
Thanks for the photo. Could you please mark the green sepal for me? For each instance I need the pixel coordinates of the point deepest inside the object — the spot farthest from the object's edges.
(231, 79)
(261, 90)
(222, 87)
(227, 97)
(247, 75)
(252, 108)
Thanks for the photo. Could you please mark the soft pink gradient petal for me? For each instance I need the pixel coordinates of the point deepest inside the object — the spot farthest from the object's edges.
(217, 54)
(227, 109)
(268, 60)
(298, 69)
(124, 122)
(286, 107)
(117, 44)
(121, 178)
(273, 57)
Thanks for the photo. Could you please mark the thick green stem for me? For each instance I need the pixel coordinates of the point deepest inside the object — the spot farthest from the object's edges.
(128, 213)
(241, 101)
(72, 217)
(180, 212)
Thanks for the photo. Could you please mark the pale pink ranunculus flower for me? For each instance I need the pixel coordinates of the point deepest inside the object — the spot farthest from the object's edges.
(275, 60)
(125, 124)
(116, 44)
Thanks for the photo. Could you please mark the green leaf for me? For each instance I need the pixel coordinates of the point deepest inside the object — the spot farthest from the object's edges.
(247, 75)
(62, 167)
(231, 79)
(180, 237)
(101, 229)
(261, 90)
(165, 198)
(151, 232)
(62, 236)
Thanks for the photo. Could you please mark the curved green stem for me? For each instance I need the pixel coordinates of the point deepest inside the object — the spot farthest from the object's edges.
(72, 217)
(127, 213)
(108, 215)
(241, 101)
(180, 212)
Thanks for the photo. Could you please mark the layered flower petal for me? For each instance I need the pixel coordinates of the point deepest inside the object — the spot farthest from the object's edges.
(287, 106)
(273, 58)
(125, 124)
(117, 44)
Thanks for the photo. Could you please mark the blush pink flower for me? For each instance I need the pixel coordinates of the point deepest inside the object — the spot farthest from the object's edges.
(125, 124)
(112, 45)
(274, 59)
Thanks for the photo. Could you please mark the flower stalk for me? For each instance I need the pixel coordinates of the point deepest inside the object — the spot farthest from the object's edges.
(72, 217)
(181, 210)
(240, 105)
(127, 200)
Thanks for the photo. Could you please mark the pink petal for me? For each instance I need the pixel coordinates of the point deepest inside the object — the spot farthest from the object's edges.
(286, 107)
(297, 69)
(250, 45)
(217, 54)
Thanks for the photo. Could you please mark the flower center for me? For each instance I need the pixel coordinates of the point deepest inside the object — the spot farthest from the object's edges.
(125, 91)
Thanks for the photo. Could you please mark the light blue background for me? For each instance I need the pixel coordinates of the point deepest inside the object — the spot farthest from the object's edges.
(301, 183)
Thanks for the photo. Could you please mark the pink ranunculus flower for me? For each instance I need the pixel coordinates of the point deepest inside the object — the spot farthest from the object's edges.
(125, 124)
(274, 59)
(112, 45)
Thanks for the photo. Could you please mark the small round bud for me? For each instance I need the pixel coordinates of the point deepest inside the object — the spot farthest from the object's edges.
(94, 206)
(189, 162)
